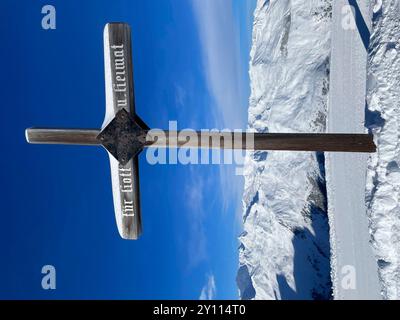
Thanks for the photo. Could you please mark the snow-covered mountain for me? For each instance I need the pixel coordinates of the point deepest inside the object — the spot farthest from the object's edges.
(383, 119)
(284, 251)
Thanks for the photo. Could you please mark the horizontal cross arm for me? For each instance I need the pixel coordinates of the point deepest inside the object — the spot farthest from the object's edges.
(225, 140)
(262, 141)
(62, 136)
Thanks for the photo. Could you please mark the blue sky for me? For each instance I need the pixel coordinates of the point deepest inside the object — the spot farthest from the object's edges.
(190, 65)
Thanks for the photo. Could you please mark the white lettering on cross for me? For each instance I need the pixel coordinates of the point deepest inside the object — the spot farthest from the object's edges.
(126, 181)
(128, 208)
(119, 64)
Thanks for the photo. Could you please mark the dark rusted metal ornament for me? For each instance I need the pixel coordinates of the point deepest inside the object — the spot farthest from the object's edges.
(123, 137)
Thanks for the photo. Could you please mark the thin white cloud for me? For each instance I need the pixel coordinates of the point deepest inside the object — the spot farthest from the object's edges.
(180, 96)
(209, 290)
(197, 242)
(220, 45)
(218, 33)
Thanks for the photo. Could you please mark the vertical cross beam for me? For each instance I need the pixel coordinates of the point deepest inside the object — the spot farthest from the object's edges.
(120, 96)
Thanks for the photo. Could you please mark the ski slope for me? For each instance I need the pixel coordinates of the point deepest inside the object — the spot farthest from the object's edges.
(354, 267)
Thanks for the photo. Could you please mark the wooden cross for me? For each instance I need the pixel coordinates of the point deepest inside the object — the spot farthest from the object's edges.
(125, 135)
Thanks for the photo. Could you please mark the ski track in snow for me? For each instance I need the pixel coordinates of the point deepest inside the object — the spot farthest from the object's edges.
(354, 267)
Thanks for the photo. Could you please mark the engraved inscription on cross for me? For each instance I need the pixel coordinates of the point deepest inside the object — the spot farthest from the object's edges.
(124, 135)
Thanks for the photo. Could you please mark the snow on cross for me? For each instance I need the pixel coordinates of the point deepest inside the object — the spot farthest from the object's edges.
(124, 135)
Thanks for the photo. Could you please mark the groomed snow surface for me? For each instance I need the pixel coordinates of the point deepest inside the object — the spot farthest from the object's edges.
(354, 267)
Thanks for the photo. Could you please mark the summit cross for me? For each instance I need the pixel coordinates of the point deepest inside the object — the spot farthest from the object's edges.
(124, 134)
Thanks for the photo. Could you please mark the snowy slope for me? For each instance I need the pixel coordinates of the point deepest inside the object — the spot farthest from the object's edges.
(354, 267)
(383, 119)
(284, 251)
